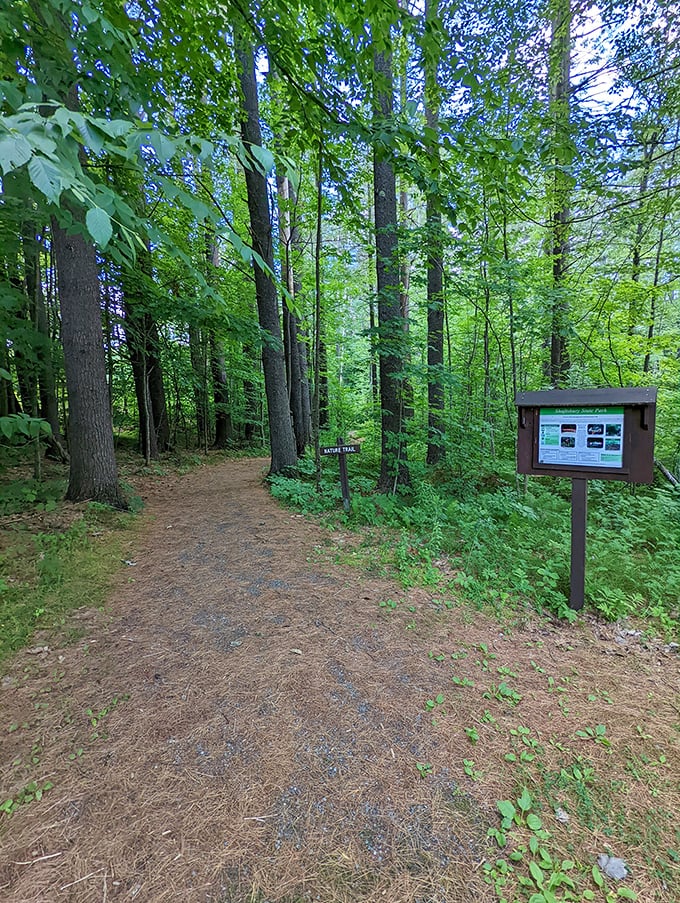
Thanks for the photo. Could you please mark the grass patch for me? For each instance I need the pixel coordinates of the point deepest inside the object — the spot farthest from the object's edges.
(47, 574)
(502, 549)
(568, 791)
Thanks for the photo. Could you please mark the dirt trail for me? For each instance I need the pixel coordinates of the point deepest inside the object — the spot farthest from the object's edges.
(258, 723)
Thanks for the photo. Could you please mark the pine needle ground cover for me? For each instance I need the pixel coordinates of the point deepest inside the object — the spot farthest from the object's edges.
(251, 720)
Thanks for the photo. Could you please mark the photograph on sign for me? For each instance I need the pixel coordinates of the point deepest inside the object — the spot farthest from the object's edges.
(581, 437)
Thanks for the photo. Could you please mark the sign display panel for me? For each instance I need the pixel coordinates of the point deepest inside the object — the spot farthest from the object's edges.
(581, 437)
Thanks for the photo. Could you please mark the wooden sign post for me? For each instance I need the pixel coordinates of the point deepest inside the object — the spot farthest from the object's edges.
(340, 450)
(596, 434)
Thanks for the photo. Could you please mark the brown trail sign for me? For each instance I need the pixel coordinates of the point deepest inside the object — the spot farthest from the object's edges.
(597, 434)
(339, 451)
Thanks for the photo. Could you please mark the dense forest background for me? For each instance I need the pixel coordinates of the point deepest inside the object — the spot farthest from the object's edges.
(280, 223)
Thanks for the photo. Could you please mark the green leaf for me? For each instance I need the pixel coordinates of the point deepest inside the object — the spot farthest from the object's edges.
(588, 895)
(99, 226)
(597, 876)
(14, 152)
(46, 177)
(625, 893)
(524, 802)
(5, 374)
(506, 809)
(534, 822)
(164, 147)
(536, 873)
(114, 128)
(264, 157)
(11, 94)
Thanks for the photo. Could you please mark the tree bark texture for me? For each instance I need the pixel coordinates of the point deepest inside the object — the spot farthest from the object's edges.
(199, 372)
(293, 338)
(48, 405)
(435, 264)
(218, 368)
(223, 424)
(560, 87)
(281, 438)
(143, 343)
(391, 343)
(93, 471)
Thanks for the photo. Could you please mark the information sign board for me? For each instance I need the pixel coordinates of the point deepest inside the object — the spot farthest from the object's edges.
(600, 434)
(581, 437)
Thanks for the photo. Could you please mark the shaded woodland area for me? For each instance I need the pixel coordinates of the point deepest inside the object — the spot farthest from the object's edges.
(246, 229)
(267, 222)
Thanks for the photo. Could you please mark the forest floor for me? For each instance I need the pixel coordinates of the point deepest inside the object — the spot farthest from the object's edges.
(250, 720)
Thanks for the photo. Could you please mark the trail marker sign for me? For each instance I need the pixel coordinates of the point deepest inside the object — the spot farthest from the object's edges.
(601, 434)
(340, 450)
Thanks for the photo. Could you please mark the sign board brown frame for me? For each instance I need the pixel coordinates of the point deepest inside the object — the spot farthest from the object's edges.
(639, 418)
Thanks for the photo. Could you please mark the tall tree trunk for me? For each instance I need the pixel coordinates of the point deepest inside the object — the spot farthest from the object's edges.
(156, 381)
(23, 364)
(560, 106)
(635, 307)
(8, 400)
(48, 408)
(223, 424)
(218, 369)
(372, 294)
(136, 325)
(93, 471)
(435, 262)
(143, 343)
(646, 367)
(391, 345)
(281, 438)
(199, 372)
(142, 336)
(293, 340)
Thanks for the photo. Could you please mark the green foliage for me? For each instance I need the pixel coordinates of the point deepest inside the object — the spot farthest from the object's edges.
(49, 574)
(33, 791)
(18, 427)
(36, 495)
(510, 549)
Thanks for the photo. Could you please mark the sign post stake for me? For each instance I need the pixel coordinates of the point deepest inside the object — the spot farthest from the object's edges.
(344, 482)
(579, 521)
(339, 451)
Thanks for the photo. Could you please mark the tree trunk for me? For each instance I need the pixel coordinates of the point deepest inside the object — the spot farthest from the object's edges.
(199, 368)
(393, 462)
(293, 340)
(156, 382)
(49, 408)
(93, 470)
(435, 264)
(560, 87)
(137, 341)
(223, 425)
(281, 438)
(143, 343)
(635, 312)
(24, 366)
